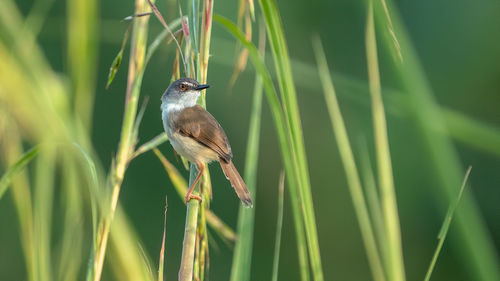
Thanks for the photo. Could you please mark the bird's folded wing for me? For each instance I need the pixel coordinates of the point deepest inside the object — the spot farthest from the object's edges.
(197, 123)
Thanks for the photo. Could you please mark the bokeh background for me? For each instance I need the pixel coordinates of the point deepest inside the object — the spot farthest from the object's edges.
(459, 48)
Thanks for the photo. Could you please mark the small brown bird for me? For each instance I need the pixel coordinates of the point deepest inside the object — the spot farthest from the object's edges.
(197, 136)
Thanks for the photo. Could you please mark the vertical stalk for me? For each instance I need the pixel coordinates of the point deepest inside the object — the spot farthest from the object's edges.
(295, 134)
(188, 246)
(193, 206)
(347, 157)
(242, 256)
(12, 150)
(43, 198)
(82, 32)
(388, 195)
(126, 147)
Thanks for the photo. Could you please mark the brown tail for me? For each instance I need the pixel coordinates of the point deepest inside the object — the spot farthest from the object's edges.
(237, 182)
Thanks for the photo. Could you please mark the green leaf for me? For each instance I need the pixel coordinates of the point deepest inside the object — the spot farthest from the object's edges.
(446, 226)
(279, 226)
(284, 140)
(118, 60)
(474, 242)
(242, 256)
(394, 258)
(349, 163)
(6, 179)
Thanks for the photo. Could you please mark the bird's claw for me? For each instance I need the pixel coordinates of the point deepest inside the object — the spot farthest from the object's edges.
(192, 196)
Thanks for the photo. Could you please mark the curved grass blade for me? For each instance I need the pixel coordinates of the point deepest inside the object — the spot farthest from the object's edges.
(394, 259)
(242, 256)
(477, 252)
(290, 107)
(6, 179)
(446, 226)
(161, 263)
(347, 157)
(283, 138)
(279, 226)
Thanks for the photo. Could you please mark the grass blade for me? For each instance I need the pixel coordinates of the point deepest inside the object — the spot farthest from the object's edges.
(290, 107)
(347, 157)
(242, 256)
(117, 60)
(279, 225)
(446, 226)
(478, 252)
(42, 213)
(388, 195)
(6, 179)
(161, 263)
(287, 153)
(373, 199)
(82, 26)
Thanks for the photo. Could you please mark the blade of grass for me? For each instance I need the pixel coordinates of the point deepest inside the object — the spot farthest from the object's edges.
(388, 195)
(446, 226)
(474, 241)
(279, 225)
(71, 245)
(347, 157)
(12, 150)
(290, 107)
(153, 143)
(134, 80)
(160, 18)
(117, 60)
(161, 263)
(82, 22)
(242, 255)
(373, 198)
(283, 140)
(43, 205)
(16, 168)
(126, 255)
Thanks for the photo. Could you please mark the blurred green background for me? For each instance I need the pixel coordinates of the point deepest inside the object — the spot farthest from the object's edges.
(459, 48)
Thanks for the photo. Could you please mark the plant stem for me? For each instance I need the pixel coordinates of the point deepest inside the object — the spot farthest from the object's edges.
(279, 226)
(126, 147)
(347, 157)
(242, 256)
(388, 194)
(188, 246)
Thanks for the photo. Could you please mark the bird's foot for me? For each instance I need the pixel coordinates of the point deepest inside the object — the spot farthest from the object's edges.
(192, 196)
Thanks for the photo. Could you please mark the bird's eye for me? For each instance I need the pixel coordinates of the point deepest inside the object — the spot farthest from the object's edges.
(183, 87)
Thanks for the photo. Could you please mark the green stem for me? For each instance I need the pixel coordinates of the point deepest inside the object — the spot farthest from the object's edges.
(351, 171)
(388, 194)
(242, 256)
(126, 147)
(188, 246)
(279, 226)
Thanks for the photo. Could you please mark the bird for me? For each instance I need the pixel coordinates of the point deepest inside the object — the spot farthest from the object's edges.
(197, 136)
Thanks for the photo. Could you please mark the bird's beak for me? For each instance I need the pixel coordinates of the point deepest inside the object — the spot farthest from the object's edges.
(201, 87)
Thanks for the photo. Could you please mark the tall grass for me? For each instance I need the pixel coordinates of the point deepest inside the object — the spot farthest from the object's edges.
(477, 249)
(242, 256)
(51, 165)
(347, 156)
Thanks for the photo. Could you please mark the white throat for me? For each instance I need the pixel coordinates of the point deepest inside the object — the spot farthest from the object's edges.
(168, 107)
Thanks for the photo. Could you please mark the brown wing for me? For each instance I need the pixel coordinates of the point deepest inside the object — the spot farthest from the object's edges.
(199, 124)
